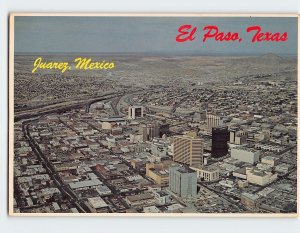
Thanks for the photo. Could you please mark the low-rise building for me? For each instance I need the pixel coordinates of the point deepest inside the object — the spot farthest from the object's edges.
(244, 154)
(97, 202)
(283, 168)
(207, 173)
(259, 177)
(140, 199)
(151, 209)
(136, 138)
(243, 184)
(240, 173)
(162, 198)
(159, 172)
(273, 161)
(84, 185)
(250, 200)
(227, 183)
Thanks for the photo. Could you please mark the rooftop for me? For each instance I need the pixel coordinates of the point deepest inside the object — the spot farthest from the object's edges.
(86, 183)
(97, 202)
(112, 119)
(250, 196)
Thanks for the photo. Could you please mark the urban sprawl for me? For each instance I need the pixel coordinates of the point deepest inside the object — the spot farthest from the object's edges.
(224, 147)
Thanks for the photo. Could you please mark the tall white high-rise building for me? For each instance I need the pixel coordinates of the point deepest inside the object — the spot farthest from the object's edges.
(213, 121)
(135, 112)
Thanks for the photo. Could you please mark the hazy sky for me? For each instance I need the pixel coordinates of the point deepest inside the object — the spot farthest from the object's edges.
(145, 34)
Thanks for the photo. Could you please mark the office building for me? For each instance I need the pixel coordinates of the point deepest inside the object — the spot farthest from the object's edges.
(159, 172)
(213, 121)
(270, 160)
(250, 200)
(207, 173)
(202, 115)
(220, 137)
(259, 177)
(150, 131)
(162, 197)
(183, 181)
(188, 150)
(232, 136)
(202, 111)
(164, 129)
(135, 112)
(247, 155)
(237, 137)
(136, 138)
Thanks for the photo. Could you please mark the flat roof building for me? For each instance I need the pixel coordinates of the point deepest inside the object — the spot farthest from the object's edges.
(183, 181)
(188, 150)
(135, 112)
(220, 137)
(250, 200)
(97, 202)
(258, 177)
(207, 173)
(213, 121)
(245, 154)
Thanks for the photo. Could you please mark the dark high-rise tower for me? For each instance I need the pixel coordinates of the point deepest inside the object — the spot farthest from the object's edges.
(220, 137)
(164, 129)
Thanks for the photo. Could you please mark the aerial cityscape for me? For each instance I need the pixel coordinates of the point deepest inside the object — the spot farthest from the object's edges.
(157, 134)
(139, 115)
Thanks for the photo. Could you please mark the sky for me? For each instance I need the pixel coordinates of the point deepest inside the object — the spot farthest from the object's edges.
(57, 34)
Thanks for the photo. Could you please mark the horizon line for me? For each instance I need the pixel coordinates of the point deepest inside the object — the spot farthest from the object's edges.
(158, 53)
